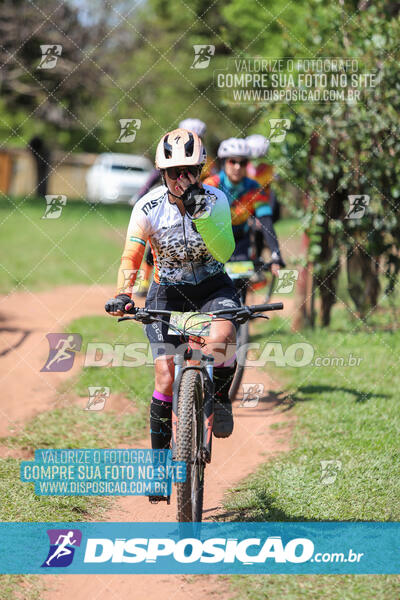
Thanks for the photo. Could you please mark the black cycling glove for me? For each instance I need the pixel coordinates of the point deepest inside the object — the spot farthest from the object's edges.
(194, 200)
(119, 303)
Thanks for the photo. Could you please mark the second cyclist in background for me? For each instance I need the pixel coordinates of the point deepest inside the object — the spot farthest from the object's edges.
(247, 199)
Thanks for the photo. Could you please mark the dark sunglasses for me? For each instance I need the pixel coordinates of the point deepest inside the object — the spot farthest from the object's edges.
(242, 163)
(174, 172)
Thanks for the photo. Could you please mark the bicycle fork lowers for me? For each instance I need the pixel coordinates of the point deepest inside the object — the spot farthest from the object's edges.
(205, 367)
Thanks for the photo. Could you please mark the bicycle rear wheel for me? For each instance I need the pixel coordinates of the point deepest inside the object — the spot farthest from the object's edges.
(242, 340)
(189, 438)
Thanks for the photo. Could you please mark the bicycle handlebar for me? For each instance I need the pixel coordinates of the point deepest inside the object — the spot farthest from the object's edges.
(266, 307)
(233, 311)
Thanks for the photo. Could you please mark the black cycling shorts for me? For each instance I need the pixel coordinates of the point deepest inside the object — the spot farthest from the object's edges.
(209, 295)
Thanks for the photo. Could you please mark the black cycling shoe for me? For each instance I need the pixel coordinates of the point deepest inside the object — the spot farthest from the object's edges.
(157, 499)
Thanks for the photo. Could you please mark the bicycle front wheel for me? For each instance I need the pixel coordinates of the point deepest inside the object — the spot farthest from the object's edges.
(189, 438)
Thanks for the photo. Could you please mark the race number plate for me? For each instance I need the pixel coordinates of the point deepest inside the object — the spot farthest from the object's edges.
(241, 268)
(193, 323)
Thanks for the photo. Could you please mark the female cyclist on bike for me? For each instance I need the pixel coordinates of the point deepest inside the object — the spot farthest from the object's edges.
(155, 178)
(188, 226)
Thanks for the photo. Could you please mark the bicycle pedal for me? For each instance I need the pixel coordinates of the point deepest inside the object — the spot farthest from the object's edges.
(157, 499)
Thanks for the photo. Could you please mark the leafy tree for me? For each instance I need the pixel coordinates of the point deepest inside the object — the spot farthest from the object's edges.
(355, 152)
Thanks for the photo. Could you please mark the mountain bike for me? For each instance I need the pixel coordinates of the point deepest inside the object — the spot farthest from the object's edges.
(193, 395)
(241, 272)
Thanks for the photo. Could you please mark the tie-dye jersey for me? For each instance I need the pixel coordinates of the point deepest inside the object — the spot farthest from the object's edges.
(246, 199)
(185, 250)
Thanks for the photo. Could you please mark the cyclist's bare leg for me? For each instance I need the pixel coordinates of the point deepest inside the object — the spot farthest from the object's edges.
(164, 374)
(161, 403)
(221, 342)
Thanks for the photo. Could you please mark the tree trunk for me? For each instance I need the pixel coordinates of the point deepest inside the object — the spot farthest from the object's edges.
(327, 284)
(41, 156)
(363, 280)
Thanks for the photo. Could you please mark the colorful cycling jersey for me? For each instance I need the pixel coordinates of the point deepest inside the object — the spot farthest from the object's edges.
(186, 250)
(262, 173)
(245, 199)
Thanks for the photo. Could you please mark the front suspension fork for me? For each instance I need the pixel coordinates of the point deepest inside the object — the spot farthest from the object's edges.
(208, 404)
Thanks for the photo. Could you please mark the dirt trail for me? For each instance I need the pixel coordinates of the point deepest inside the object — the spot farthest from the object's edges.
(25, 319)
(27, 391)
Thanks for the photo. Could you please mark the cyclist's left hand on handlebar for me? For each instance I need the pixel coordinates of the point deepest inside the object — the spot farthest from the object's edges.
(120, 305)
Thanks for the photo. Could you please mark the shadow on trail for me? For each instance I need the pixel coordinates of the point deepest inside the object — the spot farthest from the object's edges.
(271, 400)
(359, 395)
(266, 511)
(309, 393)
(22, 335)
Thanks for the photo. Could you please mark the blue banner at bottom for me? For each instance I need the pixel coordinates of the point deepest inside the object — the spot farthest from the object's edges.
(212, 548)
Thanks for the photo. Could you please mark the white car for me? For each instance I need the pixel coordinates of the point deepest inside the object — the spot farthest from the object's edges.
(117, 178)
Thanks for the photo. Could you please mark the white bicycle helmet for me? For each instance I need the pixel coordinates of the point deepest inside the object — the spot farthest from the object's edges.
(258, 145)
(234, 147)
(194, 125)
(178, 148)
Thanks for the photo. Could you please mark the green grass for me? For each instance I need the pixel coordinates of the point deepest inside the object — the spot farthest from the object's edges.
(286, 228)
(20, 587)
(19, 502)
(83, 245)
(344, 413)
(315, 587)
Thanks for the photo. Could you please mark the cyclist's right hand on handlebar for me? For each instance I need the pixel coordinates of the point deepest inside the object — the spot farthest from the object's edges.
(120, 305)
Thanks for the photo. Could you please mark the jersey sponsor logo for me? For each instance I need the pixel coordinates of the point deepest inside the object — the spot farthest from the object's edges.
(146, 208)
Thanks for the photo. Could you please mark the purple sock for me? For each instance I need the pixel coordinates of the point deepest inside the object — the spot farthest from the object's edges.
(163, 397)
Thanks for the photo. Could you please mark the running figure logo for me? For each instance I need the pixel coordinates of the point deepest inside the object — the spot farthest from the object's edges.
(63, 347)
(62, 547)
(278, 129)
(54, 206)
(286, 281)
(329, 470)
(251, 394)
(202, 56)
(129, 127)
(98, 396)
(50, 54)
(358, 204)
(129, 275)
